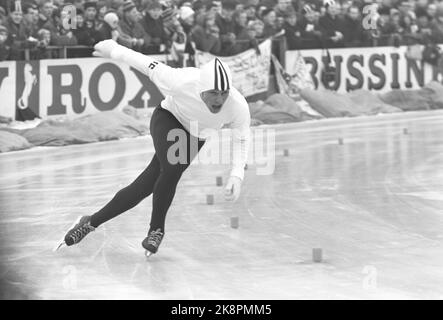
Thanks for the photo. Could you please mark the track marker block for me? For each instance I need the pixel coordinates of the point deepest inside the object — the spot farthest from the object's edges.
(210, 199)
(234, 222)
(317, 254)
(219, 181)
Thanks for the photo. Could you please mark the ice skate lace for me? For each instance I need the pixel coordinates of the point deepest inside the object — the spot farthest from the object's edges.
(81, 232)
(155, 237)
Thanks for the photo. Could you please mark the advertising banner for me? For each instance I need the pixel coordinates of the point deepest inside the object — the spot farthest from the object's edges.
(72, 87)
(378, 68)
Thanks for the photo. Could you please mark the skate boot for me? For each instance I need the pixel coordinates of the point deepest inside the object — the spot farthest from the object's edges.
(78, 231)
(152, 241)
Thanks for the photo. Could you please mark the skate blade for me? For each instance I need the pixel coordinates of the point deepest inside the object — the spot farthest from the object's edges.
(62, 242)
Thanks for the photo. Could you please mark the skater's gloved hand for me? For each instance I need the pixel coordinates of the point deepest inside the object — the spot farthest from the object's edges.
(233, 188)
(104, 48)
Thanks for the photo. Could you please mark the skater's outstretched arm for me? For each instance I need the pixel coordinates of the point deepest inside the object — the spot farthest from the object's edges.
(240, 138)
(164, 76)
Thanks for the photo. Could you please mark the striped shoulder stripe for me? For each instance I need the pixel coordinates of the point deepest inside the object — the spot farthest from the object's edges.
(221, 80)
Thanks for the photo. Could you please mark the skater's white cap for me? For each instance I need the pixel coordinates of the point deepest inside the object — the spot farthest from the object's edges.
(215, 75)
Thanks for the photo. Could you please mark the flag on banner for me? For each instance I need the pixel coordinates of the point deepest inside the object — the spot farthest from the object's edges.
(292, 84)
(299, 78)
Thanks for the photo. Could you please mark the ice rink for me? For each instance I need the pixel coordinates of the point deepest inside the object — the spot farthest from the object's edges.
(373, 204)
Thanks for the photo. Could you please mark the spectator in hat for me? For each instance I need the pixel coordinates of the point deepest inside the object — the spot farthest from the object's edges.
(186, 18)
(331, 26)
(90, 13)
(310, 30)
(169, 17)
(251, 11)
(130, 26)
(153, 26)
(90, 22)
(224, 17)
(16, 40)
(423, 24)
(269, 19)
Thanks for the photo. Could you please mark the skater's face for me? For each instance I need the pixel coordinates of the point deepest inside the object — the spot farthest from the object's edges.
(214, 99)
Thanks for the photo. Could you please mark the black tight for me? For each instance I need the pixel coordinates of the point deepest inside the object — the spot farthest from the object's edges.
(160, 177)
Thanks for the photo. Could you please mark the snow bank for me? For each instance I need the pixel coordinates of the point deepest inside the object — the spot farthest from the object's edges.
(108, 125)
(427, 98)
(332, 104)
(10, 142)
(278, 108)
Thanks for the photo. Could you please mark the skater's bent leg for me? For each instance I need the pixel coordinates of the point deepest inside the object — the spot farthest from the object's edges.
(164, 189)
(129, 196)
(163, 195)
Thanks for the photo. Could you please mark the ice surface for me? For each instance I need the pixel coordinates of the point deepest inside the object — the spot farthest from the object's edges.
(373, 205)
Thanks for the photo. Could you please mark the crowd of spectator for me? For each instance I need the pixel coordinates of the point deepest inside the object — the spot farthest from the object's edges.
(220, 27)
